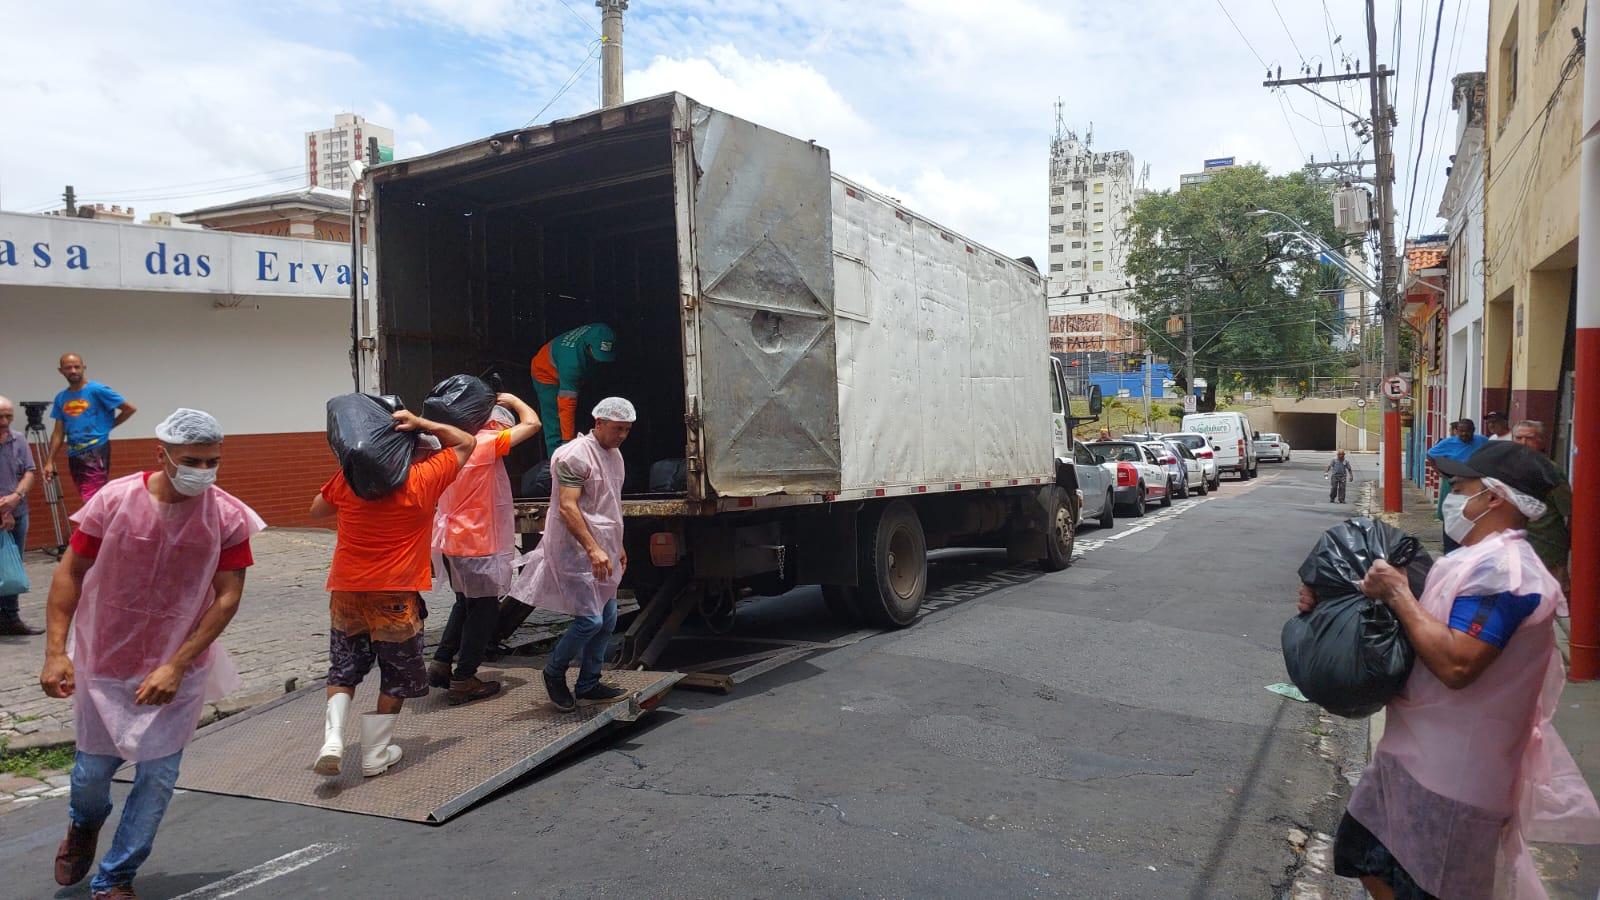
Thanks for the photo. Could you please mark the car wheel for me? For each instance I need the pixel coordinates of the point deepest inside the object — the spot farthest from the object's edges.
(1138, 503)
(1166, 495)
(1108, 513)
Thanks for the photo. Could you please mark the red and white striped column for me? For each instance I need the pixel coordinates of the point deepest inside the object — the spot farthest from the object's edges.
(1585, 599)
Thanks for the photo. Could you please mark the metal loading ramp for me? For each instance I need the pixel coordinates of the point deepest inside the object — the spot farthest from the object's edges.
(454, 755)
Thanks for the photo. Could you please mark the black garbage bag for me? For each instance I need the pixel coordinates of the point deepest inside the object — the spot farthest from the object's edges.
(536, 482)
(374, 457)
(1349, 655)
(669, 476)
(461, 401)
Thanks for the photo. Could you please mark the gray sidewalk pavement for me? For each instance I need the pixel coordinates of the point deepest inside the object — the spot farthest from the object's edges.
(280, 632)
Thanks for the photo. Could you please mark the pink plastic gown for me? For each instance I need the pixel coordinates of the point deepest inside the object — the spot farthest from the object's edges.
(142, 598)
(475, 523)
(1463, 779)
(556, 575)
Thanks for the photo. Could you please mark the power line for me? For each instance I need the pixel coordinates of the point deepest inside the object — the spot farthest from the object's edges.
(1427, 103)
(594, 48)
(586, 22)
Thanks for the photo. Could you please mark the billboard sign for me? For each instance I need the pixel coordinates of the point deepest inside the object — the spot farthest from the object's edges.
(1221, 162)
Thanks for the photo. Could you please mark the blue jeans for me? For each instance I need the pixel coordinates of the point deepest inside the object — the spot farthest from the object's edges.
(586, 638)
(8, 604)
(141, 812)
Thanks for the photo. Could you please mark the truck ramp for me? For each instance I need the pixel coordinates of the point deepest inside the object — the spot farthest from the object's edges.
(454, 755)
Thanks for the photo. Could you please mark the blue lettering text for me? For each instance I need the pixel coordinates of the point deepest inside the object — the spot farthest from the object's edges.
(77, 257)
(155, 262)
(203, 263)
(264, 261)
(8, 253)
(41, 255)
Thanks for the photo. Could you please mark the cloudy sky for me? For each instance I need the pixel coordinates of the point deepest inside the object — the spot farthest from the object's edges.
(947, 104)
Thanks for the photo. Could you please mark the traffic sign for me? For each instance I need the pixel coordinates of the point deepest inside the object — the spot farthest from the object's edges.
(1189, 404)
(1361, 403)
(1396, 386)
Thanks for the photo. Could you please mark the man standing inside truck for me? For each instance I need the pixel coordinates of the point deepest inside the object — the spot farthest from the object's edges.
(580, 560)
(560, 370)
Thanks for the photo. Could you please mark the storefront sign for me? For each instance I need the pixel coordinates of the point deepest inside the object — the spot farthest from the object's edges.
(55, 251)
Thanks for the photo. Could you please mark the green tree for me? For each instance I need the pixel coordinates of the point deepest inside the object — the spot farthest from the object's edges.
(1257, 313)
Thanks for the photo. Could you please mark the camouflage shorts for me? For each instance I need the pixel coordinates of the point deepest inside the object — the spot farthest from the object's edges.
(402, 672)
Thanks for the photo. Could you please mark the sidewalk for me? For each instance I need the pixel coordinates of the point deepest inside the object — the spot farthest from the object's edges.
(1568, 870)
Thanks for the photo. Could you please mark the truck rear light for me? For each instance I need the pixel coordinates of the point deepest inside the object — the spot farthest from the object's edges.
(1126, 476)
(1241, 448)
(664, 549)
(1203, 454)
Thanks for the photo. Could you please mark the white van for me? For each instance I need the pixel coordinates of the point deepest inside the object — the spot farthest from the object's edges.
(1231, 439)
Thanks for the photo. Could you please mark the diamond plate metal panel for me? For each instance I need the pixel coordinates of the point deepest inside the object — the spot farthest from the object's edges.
(454, 755)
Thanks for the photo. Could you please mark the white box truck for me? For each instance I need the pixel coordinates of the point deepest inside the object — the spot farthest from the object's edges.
(847, 384)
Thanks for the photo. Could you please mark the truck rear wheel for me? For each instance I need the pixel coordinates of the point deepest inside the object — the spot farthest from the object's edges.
(893, 566)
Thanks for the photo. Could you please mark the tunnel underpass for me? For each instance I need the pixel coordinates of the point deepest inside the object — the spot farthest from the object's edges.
(1308, 430)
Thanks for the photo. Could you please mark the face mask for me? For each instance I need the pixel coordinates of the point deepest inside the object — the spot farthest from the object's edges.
(189, 480)
(1456, 523)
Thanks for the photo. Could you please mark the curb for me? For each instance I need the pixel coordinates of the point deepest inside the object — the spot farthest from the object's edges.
(227, 706)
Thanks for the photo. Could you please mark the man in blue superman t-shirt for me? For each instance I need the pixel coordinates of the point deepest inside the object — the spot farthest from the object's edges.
(85, 413)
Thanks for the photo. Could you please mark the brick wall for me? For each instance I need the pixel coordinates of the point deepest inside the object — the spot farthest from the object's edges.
(276, 474)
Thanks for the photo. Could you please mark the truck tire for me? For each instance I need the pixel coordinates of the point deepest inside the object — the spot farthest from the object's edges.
(1108, 513)
(1063, 532)
(1166, 496)
(893, 566)
(841, 603)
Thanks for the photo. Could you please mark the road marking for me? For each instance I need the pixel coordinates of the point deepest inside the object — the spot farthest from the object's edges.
(1150, 520)
(240, 882)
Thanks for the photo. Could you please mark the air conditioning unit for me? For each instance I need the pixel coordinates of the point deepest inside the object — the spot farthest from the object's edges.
(1352, 210)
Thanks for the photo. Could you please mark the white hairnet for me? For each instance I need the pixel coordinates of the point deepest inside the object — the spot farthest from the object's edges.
(502, 417)
(428, 443)
(1531, 507)
(614, 409)
(189, 426)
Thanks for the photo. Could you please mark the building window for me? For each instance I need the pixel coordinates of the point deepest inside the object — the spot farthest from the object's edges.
(1507, 86)
(1099, 206)
(1099, 187)
(1054, 267)
(1099, 227)
(1099, 266)
(1077, 264)
(1057, 248)
(1056, 229)
(1099, 245)
(1077, 245)
(1057, 210)
(1077, 206)
(1057, 191)
(1084, 300)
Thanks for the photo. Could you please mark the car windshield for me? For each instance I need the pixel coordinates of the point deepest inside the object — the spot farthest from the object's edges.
(1192, 441)
(1269, 437)
(1115, 452)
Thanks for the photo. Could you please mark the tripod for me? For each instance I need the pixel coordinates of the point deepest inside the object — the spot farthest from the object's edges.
(39, 442)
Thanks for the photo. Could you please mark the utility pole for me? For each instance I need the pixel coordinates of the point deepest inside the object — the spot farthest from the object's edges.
(1586, 385)
(611, 51)
(71, 199)
(1388, 277)
(1148, 362)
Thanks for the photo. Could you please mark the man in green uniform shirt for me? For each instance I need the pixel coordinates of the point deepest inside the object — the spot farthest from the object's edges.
(1549, 534)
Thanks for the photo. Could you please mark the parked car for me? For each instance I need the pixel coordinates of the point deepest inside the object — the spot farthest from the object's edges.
(1232, 440)
(1177, 473)
(1191, 467)
(1272, 446)
(1203, 451)
(1139, 478)
(1096, 487)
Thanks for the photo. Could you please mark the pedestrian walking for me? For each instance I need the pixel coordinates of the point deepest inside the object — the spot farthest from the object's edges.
(1550, 533)
(474, 531)
(560, 370)
(579, 562)
(85, 413)
(380, 565)
(1338, 471)
(152, 576)
(1469, 768)
(16, 480)
(1461, 444)
(1495, 427)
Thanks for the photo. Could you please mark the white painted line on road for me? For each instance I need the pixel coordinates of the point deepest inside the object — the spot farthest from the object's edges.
(240, 882)
(1082, 547)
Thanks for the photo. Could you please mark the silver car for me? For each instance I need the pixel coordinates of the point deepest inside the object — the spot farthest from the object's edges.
(1095, 485)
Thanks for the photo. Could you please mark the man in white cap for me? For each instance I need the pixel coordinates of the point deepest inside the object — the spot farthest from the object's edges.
(153, 575)
(580, 560)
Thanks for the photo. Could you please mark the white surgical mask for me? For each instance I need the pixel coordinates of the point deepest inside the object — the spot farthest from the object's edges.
(190, 481)
(1456, 523)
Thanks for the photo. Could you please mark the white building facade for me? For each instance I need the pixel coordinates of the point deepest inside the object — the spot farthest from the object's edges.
(1091, 199)
(351, 139)
(1462, 207)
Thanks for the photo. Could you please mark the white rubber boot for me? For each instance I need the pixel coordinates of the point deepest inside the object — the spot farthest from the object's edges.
(377, 754)
(332, 752)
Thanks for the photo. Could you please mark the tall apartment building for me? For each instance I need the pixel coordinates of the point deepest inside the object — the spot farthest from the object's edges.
(1091, 198)
(330, 151)
(1208, 171)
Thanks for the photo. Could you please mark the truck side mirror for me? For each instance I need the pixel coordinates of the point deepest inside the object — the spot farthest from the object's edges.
(1094, 400)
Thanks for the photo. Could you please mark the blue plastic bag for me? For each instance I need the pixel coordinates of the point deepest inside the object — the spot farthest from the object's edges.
(13, 577)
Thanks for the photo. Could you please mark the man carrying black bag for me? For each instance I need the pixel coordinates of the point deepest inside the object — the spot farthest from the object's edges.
(1469, 769)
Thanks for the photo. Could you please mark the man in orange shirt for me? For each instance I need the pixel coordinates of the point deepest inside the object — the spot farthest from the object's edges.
(381, 563)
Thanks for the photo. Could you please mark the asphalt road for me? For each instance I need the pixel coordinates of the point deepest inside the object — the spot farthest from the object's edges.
(1100, 732)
